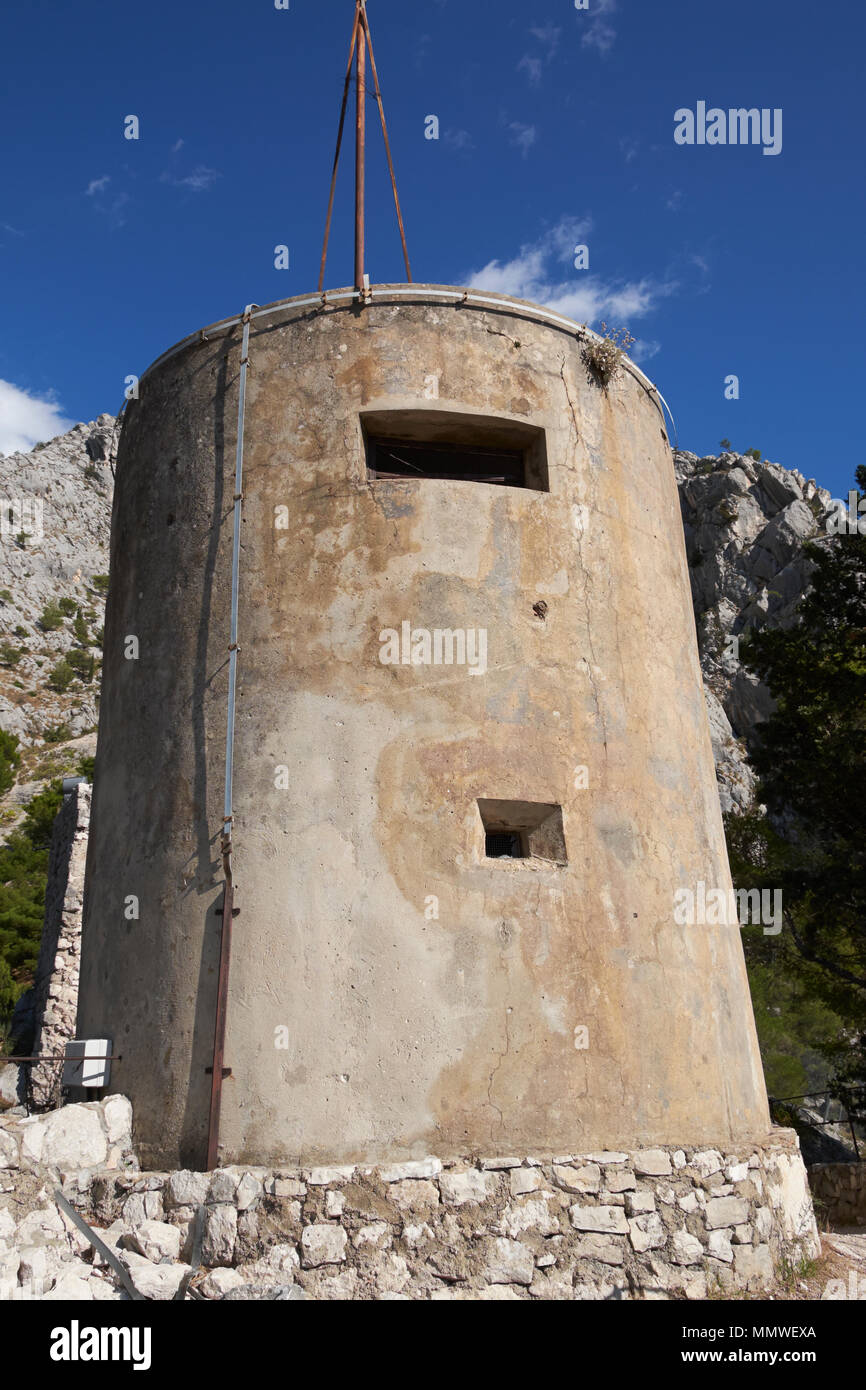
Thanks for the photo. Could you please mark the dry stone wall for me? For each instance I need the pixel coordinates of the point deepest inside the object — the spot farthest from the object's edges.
(839, 1190)
(656, 1224)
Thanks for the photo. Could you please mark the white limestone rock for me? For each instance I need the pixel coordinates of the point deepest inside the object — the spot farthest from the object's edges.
(323, 1244)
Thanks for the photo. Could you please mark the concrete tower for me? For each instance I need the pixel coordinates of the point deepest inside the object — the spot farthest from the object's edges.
(455, 878)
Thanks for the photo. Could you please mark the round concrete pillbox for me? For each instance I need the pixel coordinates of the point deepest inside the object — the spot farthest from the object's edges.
(472, 761)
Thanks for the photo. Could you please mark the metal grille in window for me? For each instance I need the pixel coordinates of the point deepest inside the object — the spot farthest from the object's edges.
(392, 458)
(503, 846)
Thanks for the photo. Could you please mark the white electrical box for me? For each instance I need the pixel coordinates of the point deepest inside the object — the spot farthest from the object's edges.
(87, 1063)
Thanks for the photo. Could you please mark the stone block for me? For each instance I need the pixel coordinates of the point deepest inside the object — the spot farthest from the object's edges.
(604, 1220)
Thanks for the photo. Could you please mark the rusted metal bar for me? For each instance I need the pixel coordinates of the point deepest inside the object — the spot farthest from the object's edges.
(55, 1057)
(219, 1046)
(360, 150)
(339, 146)
(228, 911)
(366, 23)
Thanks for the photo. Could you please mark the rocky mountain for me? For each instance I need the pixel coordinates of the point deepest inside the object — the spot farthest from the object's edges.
(55, 509)
(746, 523)
(745, 526)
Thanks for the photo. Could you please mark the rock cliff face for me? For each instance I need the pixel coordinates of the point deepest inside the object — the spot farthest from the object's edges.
(55, 507)
(745, 525)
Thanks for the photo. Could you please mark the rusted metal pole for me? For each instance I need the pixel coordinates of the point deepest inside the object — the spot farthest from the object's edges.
(339, 147)
(360, 142)
(56, 1057)
(366, 24)
(219, 1046)
(217, 1072)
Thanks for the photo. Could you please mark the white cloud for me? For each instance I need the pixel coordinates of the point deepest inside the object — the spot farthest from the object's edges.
(459, 139)
(548, 35)
(198, 181)
(535, 274)
(523, 136)
(26, 420)
(533, 68)
(600, 33)
(642, 351)
(98, 185)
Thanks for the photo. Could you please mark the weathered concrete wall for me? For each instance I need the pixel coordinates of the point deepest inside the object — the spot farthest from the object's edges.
(56, 983)
(406, 1032)
(839, 1192)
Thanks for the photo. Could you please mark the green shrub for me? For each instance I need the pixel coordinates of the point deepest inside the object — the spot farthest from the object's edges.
(61, 677)
(8, 995)
(20, 631)
(23, 875)
(57, 733)
(52, 617)
(10, 760)
(5, 596)
(100, 583)
(9, 655)
(79, 630)
(82, 663)
(68, 607)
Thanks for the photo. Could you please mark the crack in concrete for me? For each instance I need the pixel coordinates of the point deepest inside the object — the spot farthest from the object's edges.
(585, 577)
(490, 1101)
(497, 333)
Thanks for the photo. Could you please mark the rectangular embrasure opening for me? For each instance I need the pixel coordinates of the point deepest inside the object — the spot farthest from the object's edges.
(523, 830)
(418, 445)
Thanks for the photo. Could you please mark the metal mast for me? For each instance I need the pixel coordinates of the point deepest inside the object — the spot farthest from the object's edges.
(361, 42)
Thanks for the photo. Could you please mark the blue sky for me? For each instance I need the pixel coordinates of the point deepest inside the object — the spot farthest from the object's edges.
(556, 126)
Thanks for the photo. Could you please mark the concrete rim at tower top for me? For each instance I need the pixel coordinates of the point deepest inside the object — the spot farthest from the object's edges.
(422, 293)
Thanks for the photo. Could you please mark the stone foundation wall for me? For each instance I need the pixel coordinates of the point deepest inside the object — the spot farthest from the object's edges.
(839, 1192)
(656, 1224)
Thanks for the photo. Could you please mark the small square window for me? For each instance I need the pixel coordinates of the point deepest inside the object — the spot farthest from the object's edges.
(500, 844)
(523, 830)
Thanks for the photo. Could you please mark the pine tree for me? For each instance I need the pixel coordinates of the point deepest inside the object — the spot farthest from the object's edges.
(810, 757)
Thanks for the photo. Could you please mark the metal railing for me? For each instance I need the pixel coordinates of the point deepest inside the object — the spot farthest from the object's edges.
(852, 1107)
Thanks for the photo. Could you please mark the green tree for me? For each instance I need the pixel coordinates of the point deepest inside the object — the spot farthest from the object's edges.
(79, 630)
(60, 677)
(82, 663)
(811, 761)
(9, 655)
(23, 875)
(10, 760)
(52, 617)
